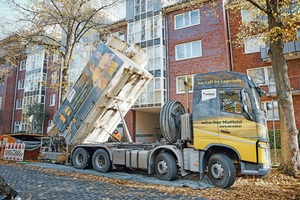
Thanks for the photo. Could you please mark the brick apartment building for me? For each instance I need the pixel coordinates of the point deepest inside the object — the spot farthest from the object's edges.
(180, 42)
(252, 59)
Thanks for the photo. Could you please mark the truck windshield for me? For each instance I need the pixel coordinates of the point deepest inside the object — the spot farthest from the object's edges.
(257, 104)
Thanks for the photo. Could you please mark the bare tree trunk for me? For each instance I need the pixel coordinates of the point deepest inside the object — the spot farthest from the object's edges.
(290, 159)
(66, 63)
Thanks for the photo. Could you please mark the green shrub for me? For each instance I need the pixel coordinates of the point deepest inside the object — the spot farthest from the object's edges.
(278, 140)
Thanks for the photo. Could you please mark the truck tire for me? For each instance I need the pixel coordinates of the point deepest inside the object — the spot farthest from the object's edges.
(81, 158)
(165, 167)
(221, 170)
(101, 161)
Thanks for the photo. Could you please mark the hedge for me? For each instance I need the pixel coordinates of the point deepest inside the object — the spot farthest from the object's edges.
(278, 140)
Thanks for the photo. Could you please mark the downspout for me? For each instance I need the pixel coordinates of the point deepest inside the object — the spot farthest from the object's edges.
(229, 40)
(43, 124)
(15, 95)
(60, 84)
(167, 55)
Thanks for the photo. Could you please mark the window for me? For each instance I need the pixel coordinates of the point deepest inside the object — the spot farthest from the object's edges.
(229, 101)
(188, 50)
(53, 77)
(17, 126)
(298, 33)
(1, 79)
(21, 84)
(180, 83)
(120, 35)
(23, 65)
(187, 19)
(253, 45)
(253, 15)
(52, 100)
(137, 9)
(55, 57)
(50, 122)
(0, 103)
(263, 76)
(19, 103)
(267, 106)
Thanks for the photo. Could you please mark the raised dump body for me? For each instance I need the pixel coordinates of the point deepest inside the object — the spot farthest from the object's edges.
(114, 74)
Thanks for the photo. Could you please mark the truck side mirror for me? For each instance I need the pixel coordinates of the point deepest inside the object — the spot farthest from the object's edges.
(244, 108)
(245, 112)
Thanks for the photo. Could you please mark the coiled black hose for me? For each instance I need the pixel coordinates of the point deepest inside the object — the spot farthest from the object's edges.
(170, 120)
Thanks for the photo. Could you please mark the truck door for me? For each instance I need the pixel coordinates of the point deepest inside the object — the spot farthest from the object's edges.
(237, 128)
(205, 118)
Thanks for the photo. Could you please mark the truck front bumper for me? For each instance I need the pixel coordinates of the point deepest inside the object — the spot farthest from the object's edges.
(255, 169)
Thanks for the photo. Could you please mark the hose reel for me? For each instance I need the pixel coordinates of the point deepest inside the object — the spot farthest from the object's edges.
(170, 120)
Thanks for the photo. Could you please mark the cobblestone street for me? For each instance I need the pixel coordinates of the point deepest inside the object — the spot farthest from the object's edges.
(34, 184)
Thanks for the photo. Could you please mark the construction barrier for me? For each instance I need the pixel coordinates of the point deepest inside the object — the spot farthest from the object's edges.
(14, 151)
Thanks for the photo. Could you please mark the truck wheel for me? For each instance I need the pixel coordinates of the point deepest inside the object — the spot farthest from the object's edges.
(101, 161)
(165, 167)
(81, 158)
(221, 170)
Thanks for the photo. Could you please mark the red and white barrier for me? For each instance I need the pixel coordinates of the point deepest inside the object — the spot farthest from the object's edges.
(14, 151)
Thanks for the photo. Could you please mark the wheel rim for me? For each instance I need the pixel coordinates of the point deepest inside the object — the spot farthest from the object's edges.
(217, 170)
(162, 167)
(101, 161)
(79, 158)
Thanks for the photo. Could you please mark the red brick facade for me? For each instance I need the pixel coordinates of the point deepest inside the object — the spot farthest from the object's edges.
(242, 62)
(7, 91)
(213, 35)
(130, 120)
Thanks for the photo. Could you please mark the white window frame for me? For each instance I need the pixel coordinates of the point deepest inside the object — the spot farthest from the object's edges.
(255, 46)
(265, 73)
(183, 15)
(276, 112)
(19, 101)
(191, 50)
(254, 16)
(21, 83)
(185, 76)
(17, 124)
(2, 79)
(118, 34)
(54, 77)
(23, 65)
(52, 100)
(50, 122)
(0, 103)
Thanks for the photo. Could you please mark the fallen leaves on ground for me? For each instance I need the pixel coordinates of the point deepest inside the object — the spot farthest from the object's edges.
(274, 186)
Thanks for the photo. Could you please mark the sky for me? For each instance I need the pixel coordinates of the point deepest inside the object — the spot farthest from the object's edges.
(8, 15)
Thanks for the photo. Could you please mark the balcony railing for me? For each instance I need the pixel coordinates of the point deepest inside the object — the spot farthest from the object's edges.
(270, 87)
(289, 47)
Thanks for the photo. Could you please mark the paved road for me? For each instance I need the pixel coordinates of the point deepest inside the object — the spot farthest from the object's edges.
(33, 184)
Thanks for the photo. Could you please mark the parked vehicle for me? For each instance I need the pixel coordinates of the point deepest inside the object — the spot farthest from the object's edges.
(226, 131)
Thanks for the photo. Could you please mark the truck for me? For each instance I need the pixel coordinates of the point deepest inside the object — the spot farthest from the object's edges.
(225, 133)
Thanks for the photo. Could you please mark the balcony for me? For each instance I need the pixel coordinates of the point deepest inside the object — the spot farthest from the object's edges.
(271, 89)
(289, 47)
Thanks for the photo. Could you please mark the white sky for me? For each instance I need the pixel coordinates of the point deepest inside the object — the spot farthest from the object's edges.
(8, 15)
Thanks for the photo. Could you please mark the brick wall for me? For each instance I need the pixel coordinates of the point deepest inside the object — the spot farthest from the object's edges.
(130, 119)
(242, 62)
(213, 35)
(7, 91)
